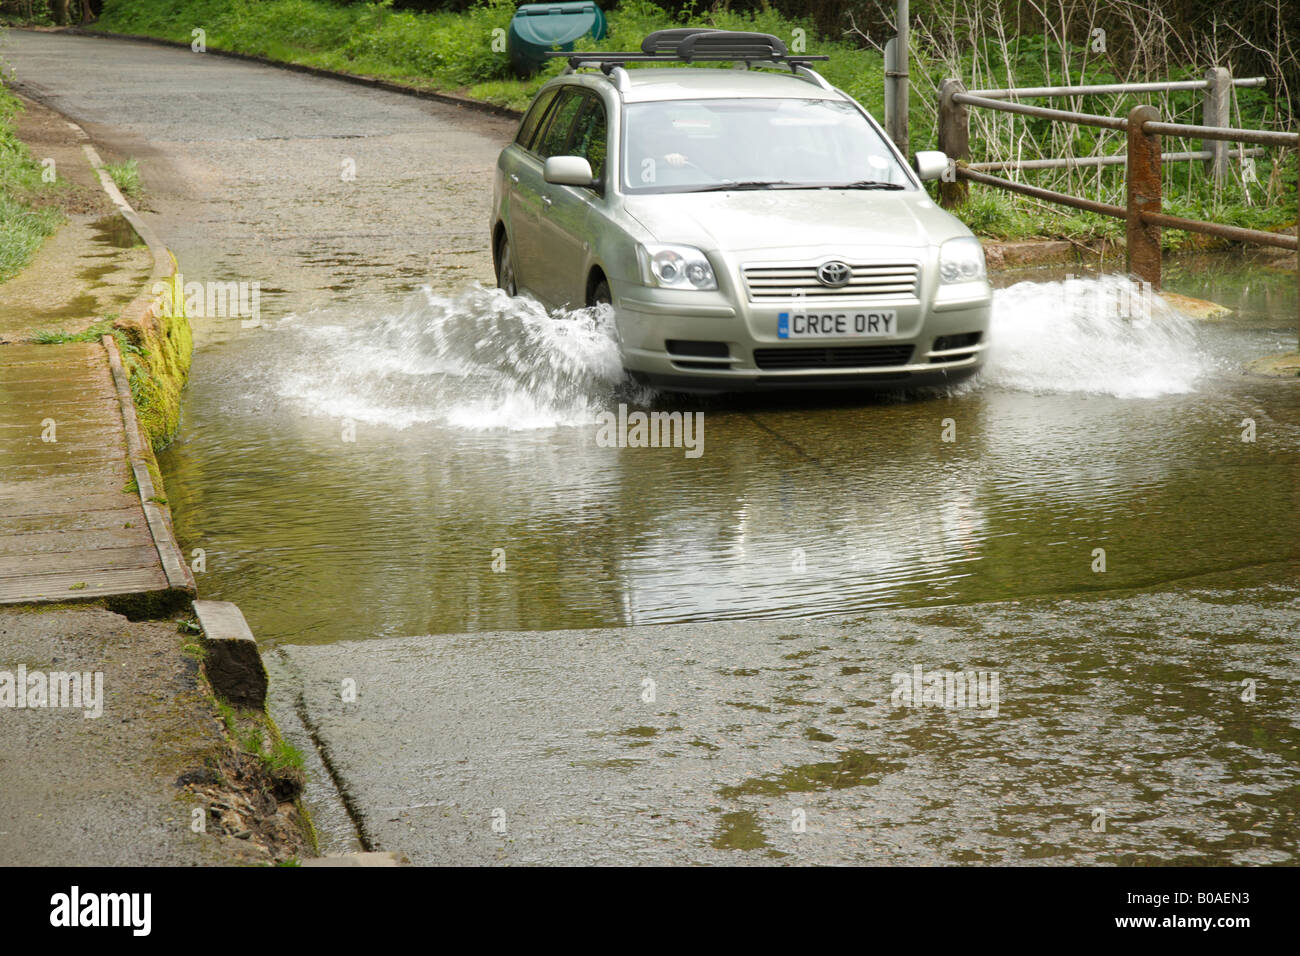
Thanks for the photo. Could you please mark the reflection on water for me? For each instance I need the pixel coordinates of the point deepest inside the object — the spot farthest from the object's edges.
(352, 473)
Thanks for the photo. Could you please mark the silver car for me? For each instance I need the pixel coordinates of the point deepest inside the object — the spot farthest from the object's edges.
(751, 228)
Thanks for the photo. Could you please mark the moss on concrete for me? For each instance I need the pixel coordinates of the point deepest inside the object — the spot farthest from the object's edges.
(160, 346)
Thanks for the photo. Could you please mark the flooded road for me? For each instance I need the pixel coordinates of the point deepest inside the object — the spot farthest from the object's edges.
(476, 439)
(397, 476)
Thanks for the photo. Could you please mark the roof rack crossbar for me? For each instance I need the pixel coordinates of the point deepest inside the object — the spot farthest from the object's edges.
(696, 45)
(597, 58)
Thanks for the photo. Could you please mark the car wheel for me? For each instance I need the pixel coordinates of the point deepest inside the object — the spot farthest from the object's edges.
(506, 269)
(600, 294)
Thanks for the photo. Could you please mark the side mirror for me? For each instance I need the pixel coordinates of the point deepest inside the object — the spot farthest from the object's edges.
(929, 163)
(568, 171)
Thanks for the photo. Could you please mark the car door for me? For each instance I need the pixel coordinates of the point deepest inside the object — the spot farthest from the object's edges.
(532, 193)
(566, 210)
(518, 208)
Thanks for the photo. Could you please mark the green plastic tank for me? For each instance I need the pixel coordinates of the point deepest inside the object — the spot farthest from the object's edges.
(539, 27)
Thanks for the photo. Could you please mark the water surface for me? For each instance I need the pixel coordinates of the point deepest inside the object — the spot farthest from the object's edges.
(354, 471)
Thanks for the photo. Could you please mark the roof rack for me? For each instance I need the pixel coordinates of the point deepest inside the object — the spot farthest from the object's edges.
(665, 41)
(696, 45)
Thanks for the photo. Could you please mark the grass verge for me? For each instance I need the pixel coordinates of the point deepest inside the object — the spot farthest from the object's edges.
(26, 218)
(126, 175)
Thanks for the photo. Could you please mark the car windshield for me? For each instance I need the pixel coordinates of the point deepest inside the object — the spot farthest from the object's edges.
(697, 145)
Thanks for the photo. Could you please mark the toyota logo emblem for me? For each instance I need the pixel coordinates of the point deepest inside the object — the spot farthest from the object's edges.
(834, 274)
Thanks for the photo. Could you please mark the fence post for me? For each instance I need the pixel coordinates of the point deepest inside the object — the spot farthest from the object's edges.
(1216, 112)
(902, 63)
(954, 139)
(891, 92)
(1143, 189)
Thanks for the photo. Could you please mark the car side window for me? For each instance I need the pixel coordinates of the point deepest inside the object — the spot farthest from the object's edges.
(565, 111)
(534, 119)
(590, 140)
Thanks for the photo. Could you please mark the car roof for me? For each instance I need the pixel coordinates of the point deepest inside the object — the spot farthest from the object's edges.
(648, 84)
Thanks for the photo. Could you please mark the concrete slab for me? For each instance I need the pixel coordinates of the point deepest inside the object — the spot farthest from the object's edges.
(782, 741)
(102, 790)
(233, 662)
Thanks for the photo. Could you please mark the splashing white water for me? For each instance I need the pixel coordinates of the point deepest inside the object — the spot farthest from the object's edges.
(1105, 336)
(477, 360)
(481, 360)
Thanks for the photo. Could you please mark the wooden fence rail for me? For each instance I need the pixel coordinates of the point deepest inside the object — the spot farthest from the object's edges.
(1144, 128)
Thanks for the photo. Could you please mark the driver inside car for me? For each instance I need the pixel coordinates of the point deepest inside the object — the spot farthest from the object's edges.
(660, 142)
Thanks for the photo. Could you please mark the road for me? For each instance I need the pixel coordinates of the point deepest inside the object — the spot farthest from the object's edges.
(507, 716)
(781, 742)
(246, 166)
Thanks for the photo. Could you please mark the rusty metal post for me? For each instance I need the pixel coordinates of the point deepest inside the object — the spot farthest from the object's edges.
(1215, 112)
(1143, 187)
(954, 139)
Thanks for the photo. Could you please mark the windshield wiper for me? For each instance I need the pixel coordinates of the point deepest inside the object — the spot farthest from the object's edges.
(753, 184)
(784, 184)
(865, 184)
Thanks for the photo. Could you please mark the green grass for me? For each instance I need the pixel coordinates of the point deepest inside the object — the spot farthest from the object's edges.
(24, 223)
(285, 755)
(453, 52)
(249, 730)
(59, 337)
(131, 353)
(127, 177)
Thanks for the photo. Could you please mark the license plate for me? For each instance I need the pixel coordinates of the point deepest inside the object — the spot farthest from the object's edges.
(836, 325)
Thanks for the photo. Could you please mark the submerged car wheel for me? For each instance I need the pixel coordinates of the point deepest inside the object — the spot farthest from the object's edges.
(506, 269)
(600, 294)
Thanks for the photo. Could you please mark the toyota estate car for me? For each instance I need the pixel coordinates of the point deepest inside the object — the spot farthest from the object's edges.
(750, 227)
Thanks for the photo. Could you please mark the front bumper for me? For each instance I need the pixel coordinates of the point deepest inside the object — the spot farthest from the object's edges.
(867, 380)
(704, 342)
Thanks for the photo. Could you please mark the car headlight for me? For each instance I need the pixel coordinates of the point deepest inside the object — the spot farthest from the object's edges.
(676, 267)
(961, 260)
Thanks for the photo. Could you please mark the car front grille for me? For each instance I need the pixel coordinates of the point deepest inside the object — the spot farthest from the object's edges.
(846, 356)
(867, 281)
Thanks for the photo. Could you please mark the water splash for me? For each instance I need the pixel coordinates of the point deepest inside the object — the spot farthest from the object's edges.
(480, 360)
(1104, 336)
(474, 360)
